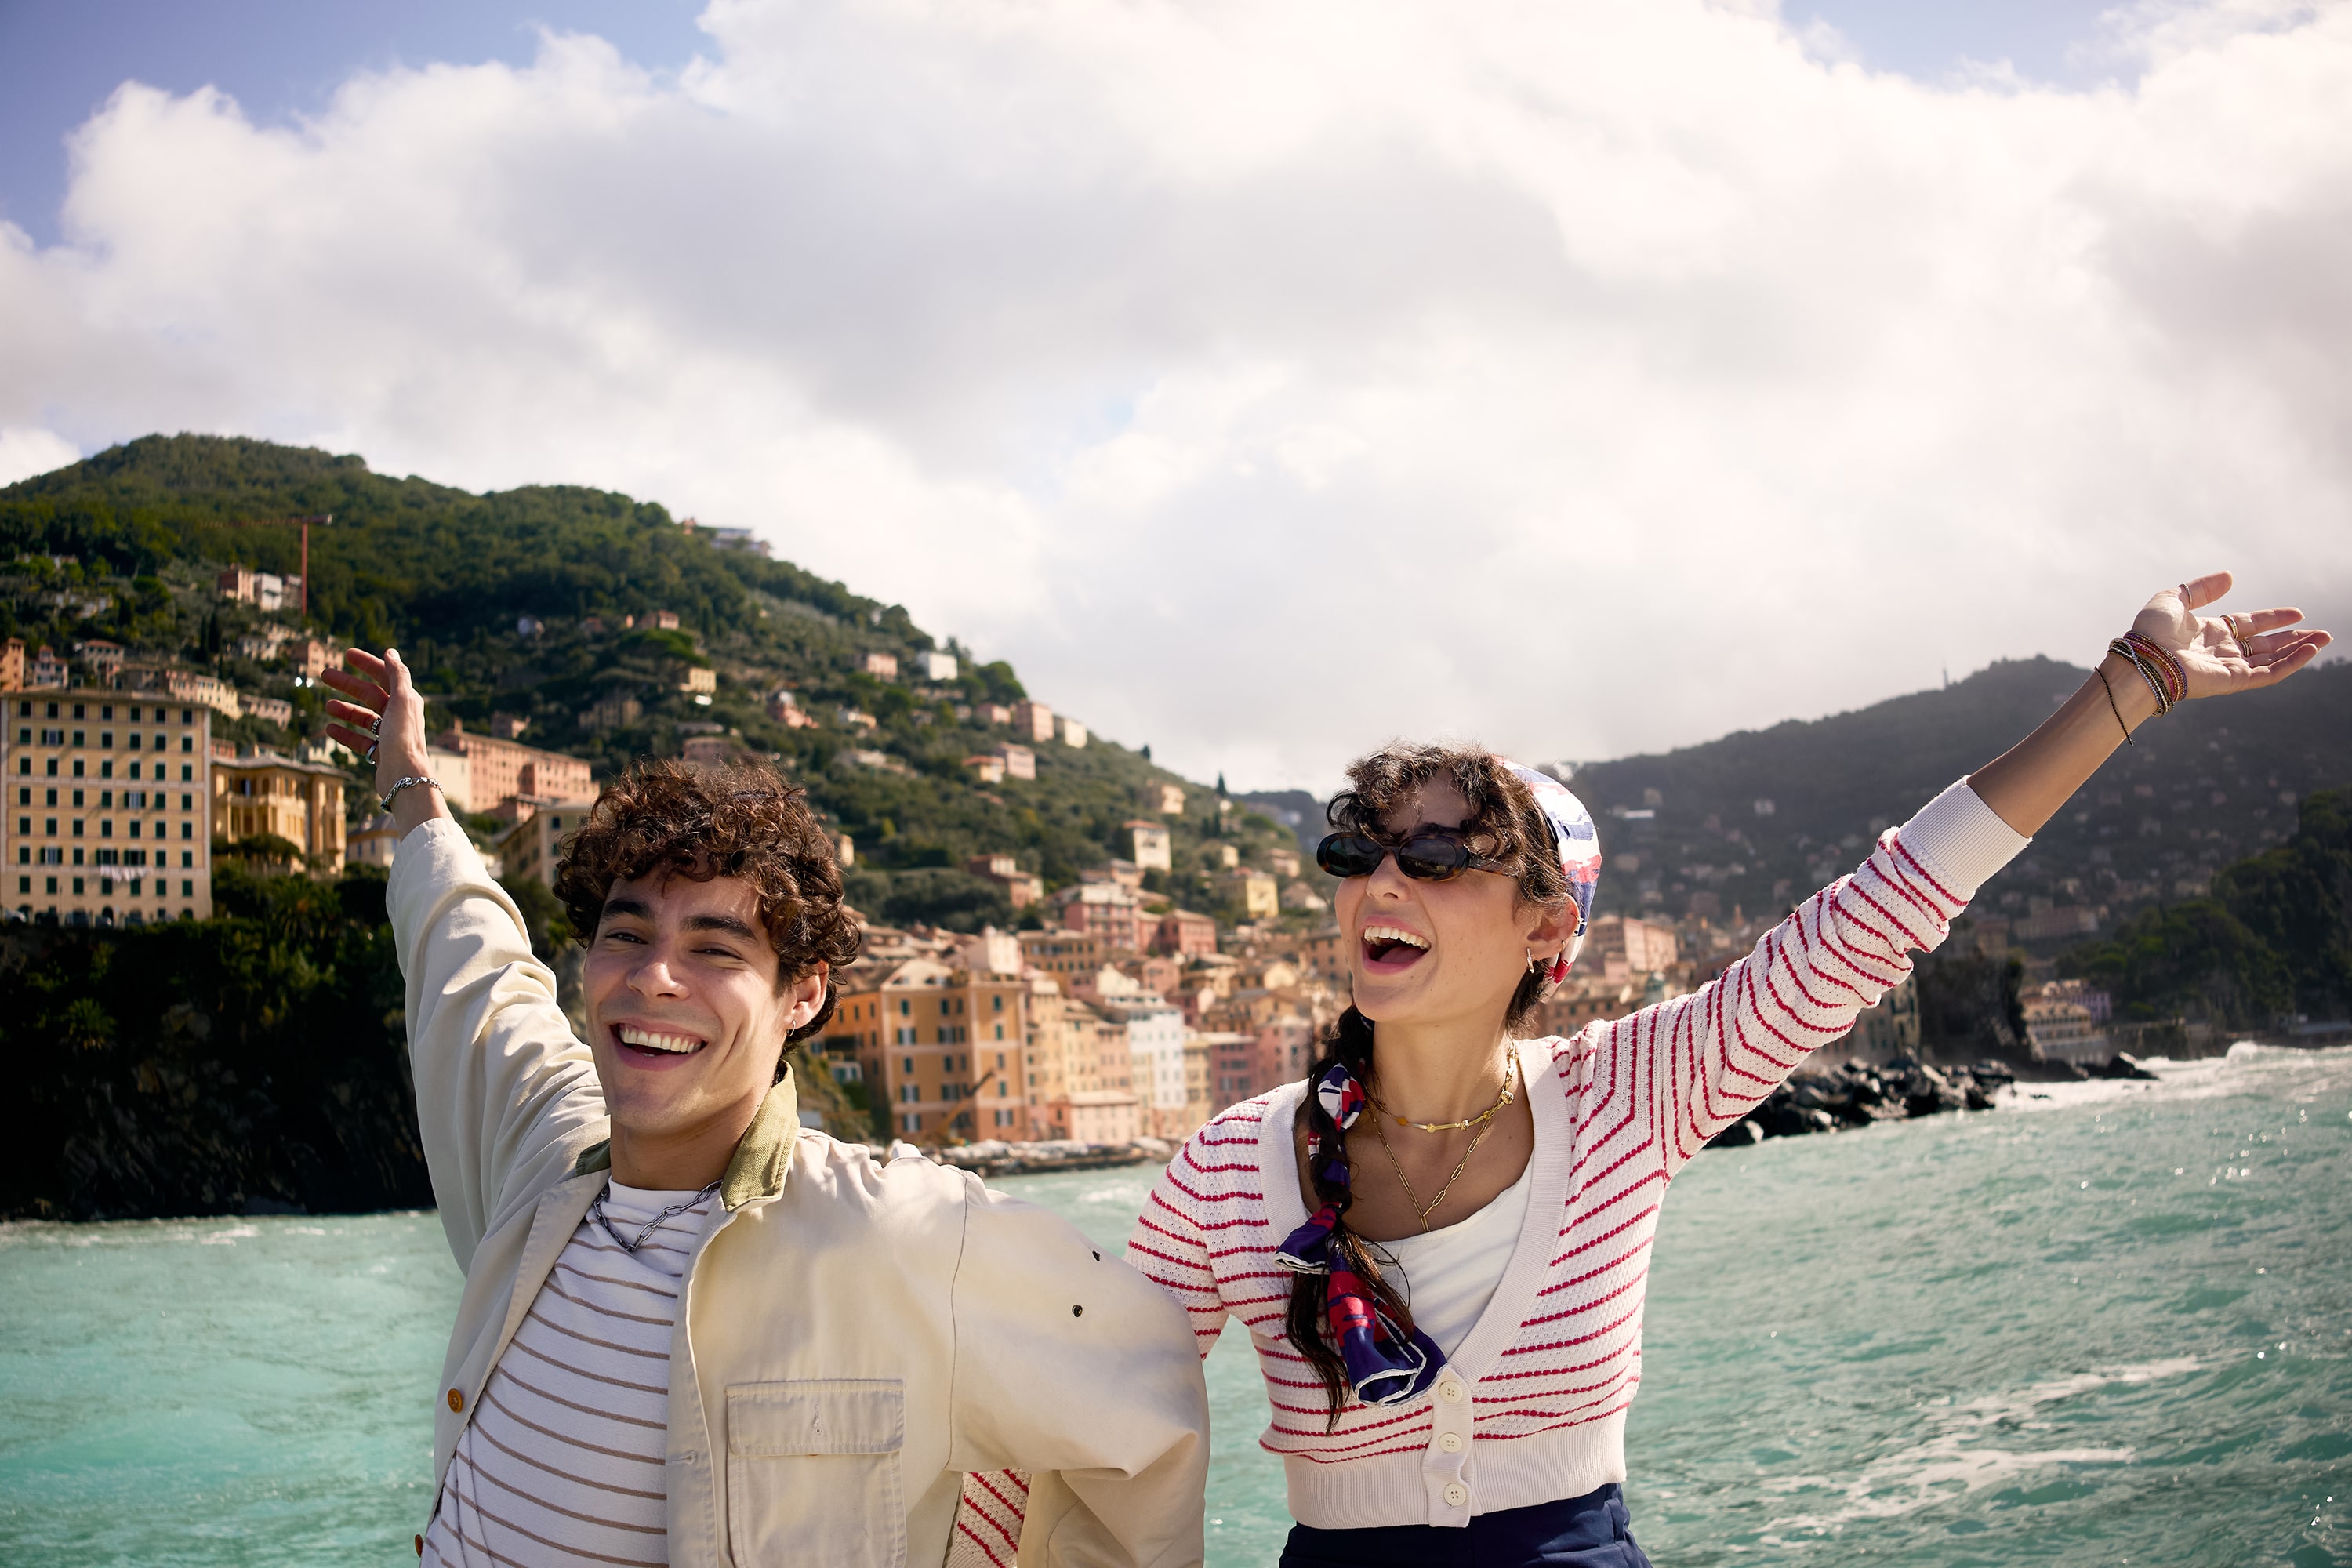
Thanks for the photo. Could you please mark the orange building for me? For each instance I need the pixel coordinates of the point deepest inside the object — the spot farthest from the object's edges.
(941, 1051)
(497, 769)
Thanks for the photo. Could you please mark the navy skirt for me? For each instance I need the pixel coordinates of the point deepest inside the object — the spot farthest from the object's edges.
(1590, 1531)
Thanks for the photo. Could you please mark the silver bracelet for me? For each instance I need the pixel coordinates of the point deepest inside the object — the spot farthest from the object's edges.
(399, 784)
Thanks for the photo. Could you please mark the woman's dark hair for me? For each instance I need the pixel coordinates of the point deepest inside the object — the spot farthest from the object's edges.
(702, 823)
(1507, 828)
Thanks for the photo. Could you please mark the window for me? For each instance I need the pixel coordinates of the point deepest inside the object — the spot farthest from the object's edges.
(910, 1067)
(106, 740)
(996, 1005)
(106, 769)
(187, 890)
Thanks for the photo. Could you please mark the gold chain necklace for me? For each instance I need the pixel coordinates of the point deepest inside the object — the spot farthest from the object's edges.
(1509, 1093)
(1421, 1211)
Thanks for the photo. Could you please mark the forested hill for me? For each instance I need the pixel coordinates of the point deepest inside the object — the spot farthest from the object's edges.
(1759, 816)
(124, 546)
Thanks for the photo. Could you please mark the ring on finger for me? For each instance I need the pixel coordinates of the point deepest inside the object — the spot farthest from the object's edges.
(371, 750)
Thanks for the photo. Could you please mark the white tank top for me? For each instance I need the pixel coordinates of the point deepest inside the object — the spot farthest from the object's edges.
(1448, 1275)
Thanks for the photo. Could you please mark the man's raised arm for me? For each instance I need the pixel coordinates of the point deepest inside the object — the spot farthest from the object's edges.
(505, 1096)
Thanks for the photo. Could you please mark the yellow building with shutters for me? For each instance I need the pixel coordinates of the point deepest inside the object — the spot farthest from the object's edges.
(106, 806)
(260, 792)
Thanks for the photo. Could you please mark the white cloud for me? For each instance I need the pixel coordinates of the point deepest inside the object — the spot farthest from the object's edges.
(1269, 379)
(26, 452)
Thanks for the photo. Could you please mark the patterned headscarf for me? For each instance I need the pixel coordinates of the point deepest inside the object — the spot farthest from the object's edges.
(1386, 1365)
(1580, 852)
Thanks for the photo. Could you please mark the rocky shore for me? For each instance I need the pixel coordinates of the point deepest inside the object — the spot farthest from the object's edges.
(1857, 1094)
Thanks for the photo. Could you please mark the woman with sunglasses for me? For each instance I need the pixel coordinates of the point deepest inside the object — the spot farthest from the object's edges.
(1439, 1240)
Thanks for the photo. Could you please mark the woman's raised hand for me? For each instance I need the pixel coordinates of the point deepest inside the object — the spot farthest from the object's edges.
(382, 718)
(2226, 654)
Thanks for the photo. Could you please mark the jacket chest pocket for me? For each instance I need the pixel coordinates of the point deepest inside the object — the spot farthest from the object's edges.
(813, 1472)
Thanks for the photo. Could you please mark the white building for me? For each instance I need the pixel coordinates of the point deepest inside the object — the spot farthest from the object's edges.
(1155, 1045)
(937, 666)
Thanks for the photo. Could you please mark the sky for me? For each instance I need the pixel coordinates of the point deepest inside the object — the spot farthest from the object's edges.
(1266, 380)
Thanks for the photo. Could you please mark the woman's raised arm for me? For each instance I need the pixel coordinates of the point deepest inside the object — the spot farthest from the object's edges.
(2218, 655)
(1697, 1064)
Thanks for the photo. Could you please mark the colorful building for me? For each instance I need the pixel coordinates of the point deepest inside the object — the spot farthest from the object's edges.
(108, 808)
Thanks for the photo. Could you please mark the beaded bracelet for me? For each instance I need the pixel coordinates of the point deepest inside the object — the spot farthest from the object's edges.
(2166, 662)
(2156, 685)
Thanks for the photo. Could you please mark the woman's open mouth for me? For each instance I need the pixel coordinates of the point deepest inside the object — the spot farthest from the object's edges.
(654, 1047)
(1391, 950)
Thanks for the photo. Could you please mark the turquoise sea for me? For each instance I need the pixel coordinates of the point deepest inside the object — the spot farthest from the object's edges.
(2109, 1326)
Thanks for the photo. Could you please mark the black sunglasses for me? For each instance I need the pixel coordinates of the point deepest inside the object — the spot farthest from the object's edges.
(1423, 857)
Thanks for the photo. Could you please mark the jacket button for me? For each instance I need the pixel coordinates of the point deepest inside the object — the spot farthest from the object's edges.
(1456, 1495)
(456, 1402)
(1450, 1392)
(1451, 1442)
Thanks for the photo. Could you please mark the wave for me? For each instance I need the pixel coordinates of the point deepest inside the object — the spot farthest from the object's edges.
(1928, 1473)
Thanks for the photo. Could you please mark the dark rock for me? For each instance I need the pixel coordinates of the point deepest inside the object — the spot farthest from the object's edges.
(1738, 1135)
(2124, 1065)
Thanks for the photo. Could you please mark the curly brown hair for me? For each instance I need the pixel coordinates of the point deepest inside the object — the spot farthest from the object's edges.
(1508, 830)
(702, 822)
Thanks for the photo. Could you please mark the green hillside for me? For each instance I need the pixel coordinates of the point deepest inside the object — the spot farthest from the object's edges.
(2210, 785)
(124, 547)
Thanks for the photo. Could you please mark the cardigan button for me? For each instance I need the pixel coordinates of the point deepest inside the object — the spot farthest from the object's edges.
(1456, 1495)
(1450, 1390)
(456, 1403)
(1451, 1442)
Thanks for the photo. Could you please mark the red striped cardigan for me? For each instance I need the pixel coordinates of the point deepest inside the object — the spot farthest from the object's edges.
(1532, 1404)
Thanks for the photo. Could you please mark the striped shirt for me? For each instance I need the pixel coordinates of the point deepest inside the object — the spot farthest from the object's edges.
(1531, 1406)
(563, 1462)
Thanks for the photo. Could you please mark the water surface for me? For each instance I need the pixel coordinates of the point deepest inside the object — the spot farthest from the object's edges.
(2111, 1326)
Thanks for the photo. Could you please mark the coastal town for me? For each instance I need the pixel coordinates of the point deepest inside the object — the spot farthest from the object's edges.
(1105, 1016)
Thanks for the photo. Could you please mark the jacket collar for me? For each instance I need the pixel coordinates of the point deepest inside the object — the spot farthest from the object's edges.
(761, 1160)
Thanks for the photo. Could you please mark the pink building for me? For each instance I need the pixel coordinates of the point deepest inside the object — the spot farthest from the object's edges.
(1032, 720)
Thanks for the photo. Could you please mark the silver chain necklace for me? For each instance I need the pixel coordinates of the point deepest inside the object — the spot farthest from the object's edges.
(652, 1225)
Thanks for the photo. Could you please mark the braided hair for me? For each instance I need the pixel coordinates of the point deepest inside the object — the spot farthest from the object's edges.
(1506, 825)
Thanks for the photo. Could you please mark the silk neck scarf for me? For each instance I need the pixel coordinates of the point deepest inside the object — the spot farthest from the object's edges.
(1386, 1365)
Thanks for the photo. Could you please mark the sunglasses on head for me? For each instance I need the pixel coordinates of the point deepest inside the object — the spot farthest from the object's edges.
(1423, 857)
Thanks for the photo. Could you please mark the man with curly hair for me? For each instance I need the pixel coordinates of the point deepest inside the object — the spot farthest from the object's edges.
(692, 1331)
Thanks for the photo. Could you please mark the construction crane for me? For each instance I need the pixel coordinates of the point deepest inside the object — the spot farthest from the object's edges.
(322, 518)
(946, 1128)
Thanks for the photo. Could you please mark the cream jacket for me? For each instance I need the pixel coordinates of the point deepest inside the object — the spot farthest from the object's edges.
(852, 1337)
